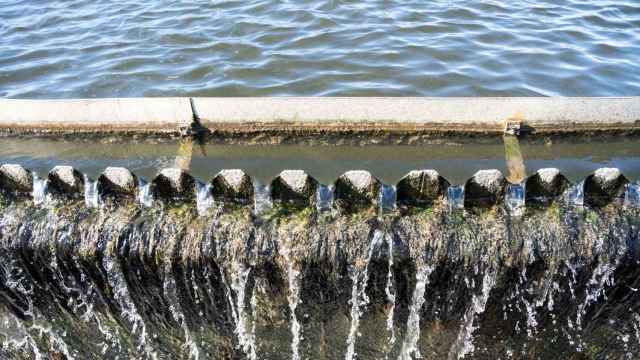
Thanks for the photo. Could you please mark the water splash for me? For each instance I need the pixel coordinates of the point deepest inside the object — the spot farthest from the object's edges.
(632, 195)
(204, 199)
(515, 199)
(390, 293)
(464, 343)
(145, 198)
(387, 198)
(244, 326)
(455, 197)
(39, 193)
(91, 196)
(262, 199)
(359, 299)
(325, 197)
(410, 343)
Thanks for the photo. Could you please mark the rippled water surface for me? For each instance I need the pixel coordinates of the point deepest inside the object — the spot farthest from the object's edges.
(110, 48)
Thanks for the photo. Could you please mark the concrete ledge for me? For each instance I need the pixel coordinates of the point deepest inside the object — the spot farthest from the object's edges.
(230, 116)
(438, 114)
(96, 115)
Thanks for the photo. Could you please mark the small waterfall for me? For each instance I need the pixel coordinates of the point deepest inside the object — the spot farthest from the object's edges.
(464, 343)
(410, 343)
(262, 199)
(601, 277)
(455, 197)
(204, 199)
(387, 198)
(359, 298)
(293, 299)
(244, 326)
(515, 199)
(325, 197)
(171, 294)
(39, 190)
(632, 195)
(17, 281)
(91, 197)
(145, 198)
(121, 294)
(390, 292)
(575, 194)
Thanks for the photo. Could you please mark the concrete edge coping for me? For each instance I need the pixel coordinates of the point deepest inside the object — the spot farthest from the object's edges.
(284, 113)
(116, 113)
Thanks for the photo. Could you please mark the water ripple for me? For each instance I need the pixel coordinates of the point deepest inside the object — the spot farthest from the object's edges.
(75, 48)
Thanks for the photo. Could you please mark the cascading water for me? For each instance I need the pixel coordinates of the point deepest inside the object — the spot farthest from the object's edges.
(464, 342)
(324, 197)
(390, 292)
(244, 325)
(359, 299)
(632, 195)
(163, 282)
(204, 199)
(91, 196)
(293, 300)
(39, 190)
(514, 199)
(263, 202)
(387, 198)
(145, 198)
(455, 197)
(575, 195)
(410, 344)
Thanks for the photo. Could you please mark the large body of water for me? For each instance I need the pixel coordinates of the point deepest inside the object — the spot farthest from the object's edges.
(79, 48)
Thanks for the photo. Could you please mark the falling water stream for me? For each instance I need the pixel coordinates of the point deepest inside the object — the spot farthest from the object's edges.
(359, 298)
(410, 344)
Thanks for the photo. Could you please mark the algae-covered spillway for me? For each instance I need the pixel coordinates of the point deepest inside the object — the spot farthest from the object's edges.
(201, 240)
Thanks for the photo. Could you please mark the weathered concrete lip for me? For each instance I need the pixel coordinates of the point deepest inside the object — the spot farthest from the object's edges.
(335, 115)
(118, 115)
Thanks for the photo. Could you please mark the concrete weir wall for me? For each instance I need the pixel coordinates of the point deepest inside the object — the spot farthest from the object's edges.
(174, 116)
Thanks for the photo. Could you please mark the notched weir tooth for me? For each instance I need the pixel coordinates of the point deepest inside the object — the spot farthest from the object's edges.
(117, 183)
(421, 188)
(65, 182)
(174, 185)
(294, 188)
(604, 186)
(15, 180)
(545, 186)
(232, 186)
(356, 190)
(485, 189)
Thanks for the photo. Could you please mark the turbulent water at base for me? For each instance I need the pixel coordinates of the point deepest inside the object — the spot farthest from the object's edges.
(79, 49)
(168, 281)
